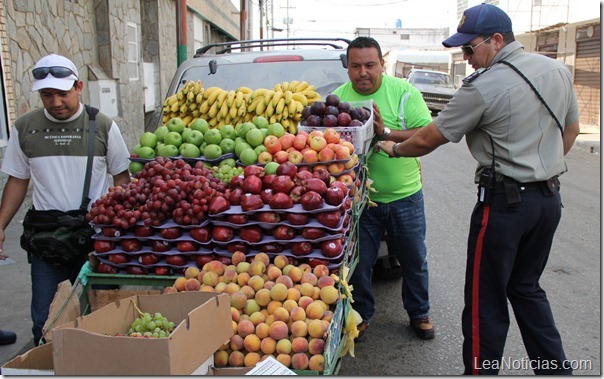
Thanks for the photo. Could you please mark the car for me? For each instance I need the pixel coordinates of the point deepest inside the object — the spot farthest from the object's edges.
(261, 64)
(437, 87)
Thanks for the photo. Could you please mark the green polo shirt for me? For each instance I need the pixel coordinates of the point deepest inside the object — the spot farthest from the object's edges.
(402, 107)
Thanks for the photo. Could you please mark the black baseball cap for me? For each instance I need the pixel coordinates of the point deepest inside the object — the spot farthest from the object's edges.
(483, 19)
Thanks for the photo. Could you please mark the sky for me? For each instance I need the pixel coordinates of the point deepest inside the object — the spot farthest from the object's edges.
(339, 18)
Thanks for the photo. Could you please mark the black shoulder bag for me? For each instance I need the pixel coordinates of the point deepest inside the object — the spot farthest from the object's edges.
(62, 237)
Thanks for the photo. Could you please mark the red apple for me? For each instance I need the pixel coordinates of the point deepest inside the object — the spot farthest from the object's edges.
(312, 233)
(161, 270)
(267, 180)
(130, 244)
(136, 270)
(176, 260)
(268, 217)
(236, 181)
(160, 246)
(296, 193)
(334, 196)
(237, 218)
(313, 262)
(251, 233)
(315, 184)
(235, 196)
(331, 219)
(237, 246)
(103, 268)
(171, 233)
(297, 218)
(337, 183)
(119, 258)
(282, 183)
(148, 259)
(304, 173)
(101, 246)
(252, 184)
(266, 195)
(331, 248)
(201, 234)
(110, 231)
(250, 202)
(281, 200)
(301, 248)
(222, 233)
(311, 200)
(186, 246)
(287, 168)
(322, 174)
(143, 231)
(219, 204)
(271, 248)
(284, 232)
(201, 260)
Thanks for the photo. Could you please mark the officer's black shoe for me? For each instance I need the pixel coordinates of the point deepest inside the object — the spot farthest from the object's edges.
(6, 338)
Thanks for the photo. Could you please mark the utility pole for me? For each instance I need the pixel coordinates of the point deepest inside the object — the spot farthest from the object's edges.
(287, 21)
(242, 19)
(260, 23)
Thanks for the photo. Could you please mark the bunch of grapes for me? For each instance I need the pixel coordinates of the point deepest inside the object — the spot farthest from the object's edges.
(226, 172)
(151, 326)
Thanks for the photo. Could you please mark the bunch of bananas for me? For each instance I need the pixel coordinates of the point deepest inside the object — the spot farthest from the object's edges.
(283, 104)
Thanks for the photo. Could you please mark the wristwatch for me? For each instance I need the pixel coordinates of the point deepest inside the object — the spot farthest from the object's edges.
(385, 133)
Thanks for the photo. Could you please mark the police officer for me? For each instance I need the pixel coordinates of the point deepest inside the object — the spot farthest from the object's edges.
(519, 115)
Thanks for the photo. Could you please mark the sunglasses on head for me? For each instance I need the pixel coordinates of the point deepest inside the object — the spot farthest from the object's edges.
(469, 49)
(56, 71)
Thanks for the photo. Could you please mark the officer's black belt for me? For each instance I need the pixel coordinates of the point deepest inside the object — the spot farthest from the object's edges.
(513, 188)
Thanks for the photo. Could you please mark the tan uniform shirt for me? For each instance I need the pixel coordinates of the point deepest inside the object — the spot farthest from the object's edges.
(498, 102)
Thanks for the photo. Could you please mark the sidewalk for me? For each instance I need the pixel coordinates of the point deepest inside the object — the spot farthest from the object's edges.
(15, 287)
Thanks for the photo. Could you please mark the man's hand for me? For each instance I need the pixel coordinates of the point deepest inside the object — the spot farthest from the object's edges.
(2, 255)
(378, 122)
(385, 146)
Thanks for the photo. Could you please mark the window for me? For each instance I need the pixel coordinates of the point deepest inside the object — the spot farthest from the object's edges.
(197, 33)
(132, 52)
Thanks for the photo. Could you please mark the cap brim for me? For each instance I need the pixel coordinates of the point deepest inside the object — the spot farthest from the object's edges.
(459, 39)
(62, 84)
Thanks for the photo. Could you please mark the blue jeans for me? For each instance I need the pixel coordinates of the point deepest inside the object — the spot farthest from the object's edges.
(405, 222)
(45, 279)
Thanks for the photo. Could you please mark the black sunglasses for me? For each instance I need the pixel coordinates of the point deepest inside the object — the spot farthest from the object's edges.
(469, 49)
(56, 71)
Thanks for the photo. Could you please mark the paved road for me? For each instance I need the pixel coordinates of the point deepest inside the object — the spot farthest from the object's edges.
(571, 279)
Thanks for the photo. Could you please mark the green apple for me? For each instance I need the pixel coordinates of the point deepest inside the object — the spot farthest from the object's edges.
(261, 122)
(189, 150)
(240, 147)
(212, 151)
(195, 137)
(146, 152)
(212, 136)
(173, 138)
(276, 129)
(228, 131)
(228, 162)
(167, 151)
(245, 128)
(135, 167)
(136, 148)
(227, 145)
(148, 139)
(248, 157)
(161, 133)
(238, 140)
(185, 133)
(259, 149)
(200, 124)
(271, 168)
(176, 124)
(254, 137)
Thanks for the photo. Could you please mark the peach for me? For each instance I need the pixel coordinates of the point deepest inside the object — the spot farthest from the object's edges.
(206, 288)
(305, 267)
(251, 342)
(316, 293)
(278, 330)
(295, 273)
(307, 289)
(210, 278)
(286, 268)
(236, 342)
(179, 283)
(305, 301)
(325, 281)
(273, 273)
(215, 266)
(262, 257)
(316, 346)
(236, 359)
(229, 276)
(299, 328)
(316, 362)
(245, 327)
(231, 288)
(293, 294)
(257, 267)
(327, 316)
(289, 304)
(281, 314)
(329, 294)
(281, 261)
(299, 345)
(268, 284)
(220, 286)
(314, 310)
(284, 359)
(251, 359)
(297, 313)
(238, 257)
(320, 270)
(243, 267)
(235, 313)
(316, 328)
(268, 345)
(169, 290)
(257, 318)
(200, 275)
(191, 272)
(262, 330)
(242, 278)
(274, 304)
(234, 326)
(263, 297)
(251, 307)
(309, 277)
(221, 358)
(279, 292)
(248, 291)
(299, 361)
(238, 300)
(192, 284)
(285, 279)
(270, 319)
(284, 346)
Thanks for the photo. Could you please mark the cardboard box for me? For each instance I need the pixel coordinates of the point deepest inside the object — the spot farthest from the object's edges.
(269, 366)
(35, 362)
(99, 298)
(89, 345)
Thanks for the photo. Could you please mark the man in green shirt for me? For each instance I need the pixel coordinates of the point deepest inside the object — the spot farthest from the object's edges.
(399, 111)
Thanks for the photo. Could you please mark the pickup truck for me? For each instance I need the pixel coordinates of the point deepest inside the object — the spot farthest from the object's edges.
(436, 87)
